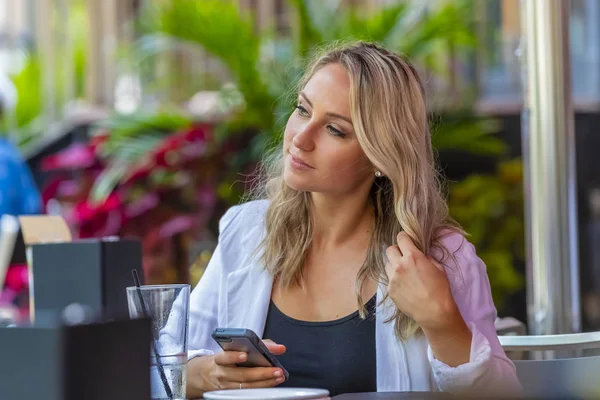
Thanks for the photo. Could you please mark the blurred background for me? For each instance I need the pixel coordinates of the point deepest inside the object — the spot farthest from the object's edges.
(147, 118)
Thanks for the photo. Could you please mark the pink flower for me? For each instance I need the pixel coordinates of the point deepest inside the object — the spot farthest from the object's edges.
(51, 189)
(137, 174)
(86, 210)
(179, 224)
(17, 277)
(77, 156)
(97, 141)
(98, 220)
(181, 146)
(144, 204)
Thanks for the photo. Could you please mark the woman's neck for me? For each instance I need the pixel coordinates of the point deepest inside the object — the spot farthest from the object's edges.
(337, 220)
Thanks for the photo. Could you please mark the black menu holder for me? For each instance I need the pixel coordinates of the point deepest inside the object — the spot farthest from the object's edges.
(97, 361)
(93, 272)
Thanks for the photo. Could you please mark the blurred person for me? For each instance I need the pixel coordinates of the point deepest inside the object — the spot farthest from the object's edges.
(347, 261)
(18, 192)
(18, 196)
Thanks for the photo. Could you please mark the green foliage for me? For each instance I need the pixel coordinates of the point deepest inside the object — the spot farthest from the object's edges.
(131, 138)
(28, 120)
(29, 103)
(264, 67)
(227, 35)
(29, 89)
(464, 131)
(490, 209)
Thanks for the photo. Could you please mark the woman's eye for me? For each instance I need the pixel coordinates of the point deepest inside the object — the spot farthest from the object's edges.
(301, 110)
(335, 132)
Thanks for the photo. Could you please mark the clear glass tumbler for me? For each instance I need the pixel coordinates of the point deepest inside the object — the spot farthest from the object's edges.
(168, 308)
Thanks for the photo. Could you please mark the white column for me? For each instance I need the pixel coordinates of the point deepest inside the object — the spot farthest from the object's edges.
(45, 45)
(549, 161)
(101, 56)
(592, 27)
(67, 62)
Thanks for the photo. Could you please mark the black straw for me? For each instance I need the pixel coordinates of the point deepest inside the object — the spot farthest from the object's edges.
(161, 370)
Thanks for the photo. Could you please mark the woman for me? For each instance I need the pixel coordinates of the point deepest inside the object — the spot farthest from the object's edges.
(351, 262)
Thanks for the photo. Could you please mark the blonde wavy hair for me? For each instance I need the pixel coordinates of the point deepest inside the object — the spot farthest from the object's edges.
(388, 111)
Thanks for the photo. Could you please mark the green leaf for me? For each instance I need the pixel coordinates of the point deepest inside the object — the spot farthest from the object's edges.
(382, 25)
(308, 35)
(468, 134)
(108, 181)
(123, 155)
(219, 28)
(125, 129)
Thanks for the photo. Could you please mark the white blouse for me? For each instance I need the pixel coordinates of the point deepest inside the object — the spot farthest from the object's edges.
(235, 292)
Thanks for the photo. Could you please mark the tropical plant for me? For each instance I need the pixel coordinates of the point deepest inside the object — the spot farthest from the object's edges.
(490, 208)
(27, 121)
(29, 106)
(160, 177)
(263, 65)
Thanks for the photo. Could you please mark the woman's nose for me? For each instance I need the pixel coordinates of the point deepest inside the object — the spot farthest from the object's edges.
(303, 139)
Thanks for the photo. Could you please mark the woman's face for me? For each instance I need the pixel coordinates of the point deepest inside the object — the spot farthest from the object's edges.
(320, 149)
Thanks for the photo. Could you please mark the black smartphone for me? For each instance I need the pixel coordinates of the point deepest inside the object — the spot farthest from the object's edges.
(245, 340)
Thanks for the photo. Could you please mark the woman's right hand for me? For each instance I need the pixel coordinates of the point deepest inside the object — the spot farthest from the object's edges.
(221, 372)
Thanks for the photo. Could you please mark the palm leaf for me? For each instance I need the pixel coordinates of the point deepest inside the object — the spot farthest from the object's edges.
(381, 26)
(347, 23)
(218, 27)
(124, 156)
(448, 24)
(265, 67)
(125, 127)
(308, 33)
(468, 134)
(107, 181)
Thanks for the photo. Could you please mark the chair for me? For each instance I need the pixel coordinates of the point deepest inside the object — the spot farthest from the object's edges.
(509, 326)
(563, 377)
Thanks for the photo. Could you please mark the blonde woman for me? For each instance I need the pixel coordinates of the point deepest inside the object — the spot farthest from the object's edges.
(350, 264)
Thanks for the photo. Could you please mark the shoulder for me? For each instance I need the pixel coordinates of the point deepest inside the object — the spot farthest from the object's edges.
(243, 216)
(460, 259)
(241, 230)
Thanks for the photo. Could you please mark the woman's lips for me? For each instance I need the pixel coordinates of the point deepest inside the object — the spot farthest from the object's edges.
(299, 164)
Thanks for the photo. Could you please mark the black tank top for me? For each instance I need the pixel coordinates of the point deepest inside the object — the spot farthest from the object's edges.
(335, 355)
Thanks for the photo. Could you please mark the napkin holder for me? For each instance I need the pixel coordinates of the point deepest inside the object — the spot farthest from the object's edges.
(96, 361)
(92, 272)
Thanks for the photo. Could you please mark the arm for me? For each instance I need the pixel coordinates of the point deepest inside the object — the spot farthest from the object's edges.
(204, 302)
(450, 341)
(209, 367)
(487, 368)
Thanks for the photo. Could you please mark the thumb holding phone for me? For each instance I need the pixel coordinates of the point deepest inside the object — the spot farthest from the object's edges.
(220, 371)
(275, 348)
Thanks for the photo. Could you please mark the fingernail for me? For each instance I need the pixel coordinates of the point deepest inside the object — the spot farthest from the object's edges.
(277, 374)
(243, 357)
(279, 380)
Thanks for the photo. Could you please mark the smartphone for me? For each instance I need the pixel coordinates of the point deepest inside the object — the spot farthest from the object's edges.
(245, 340)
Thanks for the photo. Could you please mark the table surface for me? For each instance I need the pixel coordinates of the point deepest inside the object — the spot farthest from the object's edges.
(393, 396)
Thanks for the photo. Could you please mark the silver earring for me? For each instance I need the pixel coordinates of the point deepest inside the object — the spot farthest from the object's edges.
(378, 174)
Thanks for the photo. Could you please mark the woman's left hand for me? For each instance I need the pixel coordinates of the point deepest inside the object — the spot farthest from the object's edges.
(419, 286)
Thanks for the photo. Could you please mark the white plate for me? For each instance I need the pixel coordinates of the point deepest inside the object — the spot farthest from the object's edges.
(267, 394)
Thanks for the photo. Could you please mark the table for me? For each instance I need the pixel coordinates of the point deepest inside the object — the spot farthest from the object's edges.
(394, 396)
